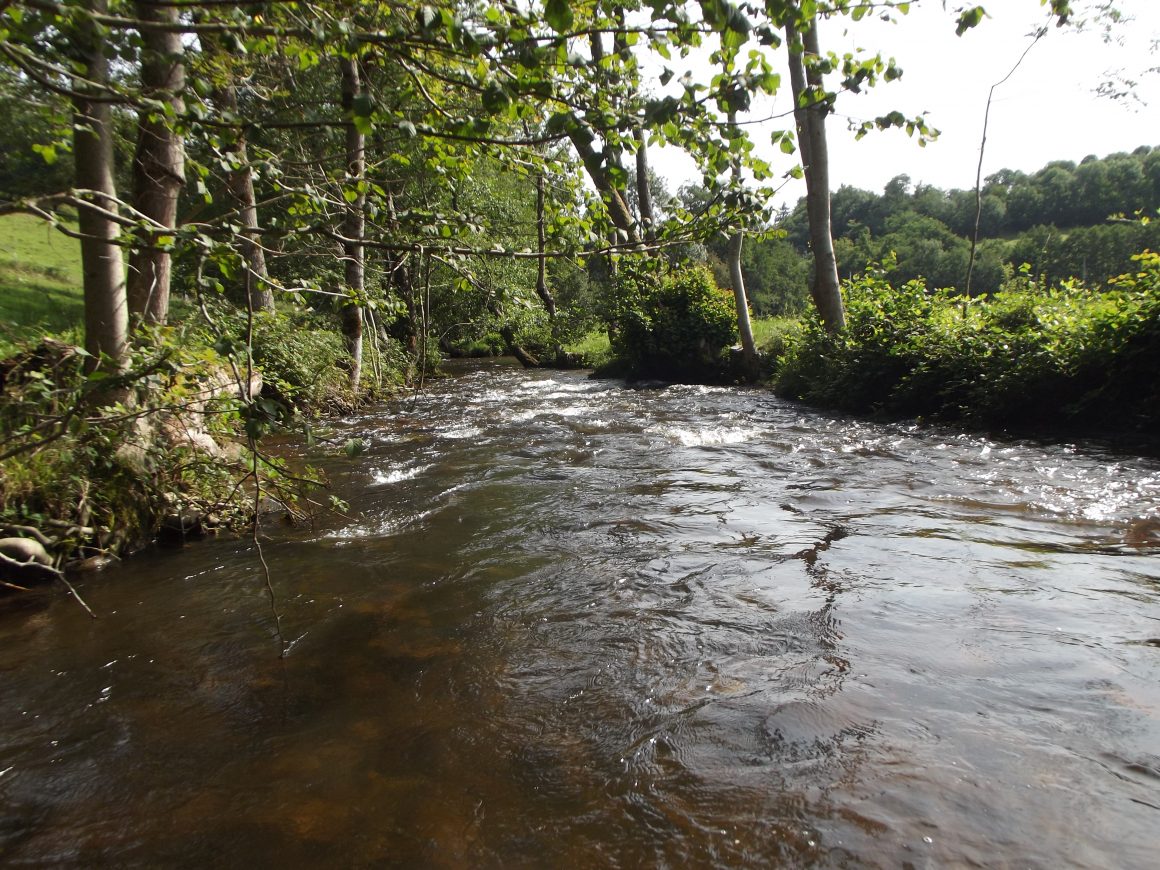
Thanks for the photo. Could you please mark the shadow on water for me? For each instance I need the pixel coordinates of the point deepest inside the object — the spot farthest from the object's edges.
(573, 624)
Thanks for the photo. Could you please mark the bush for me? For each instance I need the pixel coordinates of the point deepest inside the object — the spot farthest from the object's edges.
(1027, 356)
(670, 324)
(301, 356)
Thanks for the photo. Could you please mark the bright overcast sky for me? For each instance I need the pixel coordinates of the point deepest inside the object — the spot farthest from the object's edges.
(1048, 110)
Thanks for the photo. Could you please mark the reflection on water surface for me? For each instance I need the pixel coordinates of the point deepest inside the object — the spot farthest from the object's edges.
(575, 624)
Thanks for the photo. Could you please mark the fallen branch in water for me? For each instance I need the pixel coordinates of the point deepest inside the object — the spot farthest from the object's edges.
(49, 569)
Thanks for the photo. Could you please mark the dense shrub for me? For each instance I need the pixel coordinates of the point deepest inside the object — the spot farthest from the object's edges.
(1026, 356)
(672, 324)
(301, 356)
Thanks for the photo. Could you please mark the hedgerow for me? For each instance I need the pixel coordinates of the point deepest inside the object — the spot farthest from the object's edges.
(1026, 356)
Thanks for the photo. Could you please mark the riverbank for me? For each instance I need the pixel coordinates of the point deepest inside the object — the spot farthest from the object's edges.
(1029, 359)
(95, 466)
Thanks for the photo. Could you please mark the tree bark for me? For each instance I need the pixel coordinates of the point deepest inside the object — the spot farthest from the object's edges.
(106, 309)
(614, 200)
(541, 244)
(810, 112)
(159, 163)
(240, 185)
(354, 224)
(526, 359)
(643, 191)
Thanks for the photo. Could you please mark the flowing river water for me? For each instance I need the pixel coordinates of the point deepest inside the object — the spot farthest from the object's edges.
(574, 624)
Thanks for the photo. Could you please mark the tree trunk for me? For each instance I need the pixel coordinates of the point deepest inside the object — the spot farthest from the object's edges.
(614, 200)
(643, 191)
(240, 184)
(810, 112)
(541, 244)
(106, 310)
(355, 223)
(159, 163)
(526, 359)
(744, 327)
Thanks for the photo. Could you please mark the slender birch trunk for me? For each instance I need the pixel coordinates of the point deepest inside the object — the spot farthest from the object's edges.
(240, 185)
(810, 118)
(355, 223)
(744, 327)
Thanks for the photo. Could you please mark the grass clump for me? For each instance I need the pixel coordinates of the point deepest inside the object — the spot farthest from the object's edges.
(773, 335)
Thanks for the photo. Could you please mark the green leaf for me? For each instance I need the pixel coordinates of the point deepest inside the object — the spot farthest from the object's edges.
(48, 152)
(496, 98)
(428, 17)
(558, 14)
(969, 18)
(362, 106)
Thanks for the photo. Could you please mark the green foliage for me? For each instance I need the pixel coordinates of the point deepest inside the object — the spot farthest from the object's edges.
(1060, 219)
(673, 324)
(1027, 356)
(300, 356)
(80, 451)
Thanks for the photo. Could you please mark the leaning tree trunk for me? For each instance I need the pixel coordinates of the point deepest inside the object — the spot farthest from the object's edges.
(744, 327)
(614, 200)
(810, 109)
(159, 164)
(355, 223)
(106, 311)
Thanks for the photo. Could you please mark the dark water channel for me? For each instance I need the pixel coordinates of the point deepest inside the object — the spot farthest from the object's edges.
(571, 624)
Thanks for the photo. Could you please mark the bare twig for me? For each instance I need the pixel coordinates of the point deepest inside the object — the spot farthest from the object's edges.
(72, 589)
(1039, 34)
(249, 400)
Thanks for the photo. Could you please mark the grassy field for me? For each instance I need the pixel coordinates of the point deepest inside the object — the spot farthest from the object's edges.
(770, 333)
(594, 346)
(40, 279)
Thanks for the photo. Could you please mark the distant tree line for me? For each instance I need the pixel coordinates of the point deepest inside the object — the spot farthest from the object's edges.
(1066, 221)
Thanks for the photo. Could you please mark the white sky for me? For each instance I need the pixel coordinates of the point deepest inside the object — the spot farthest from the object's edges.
(1047, 110)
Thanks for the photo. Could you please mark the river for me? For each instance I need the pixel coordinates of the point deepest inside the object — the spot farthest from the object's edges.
(569, 623)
